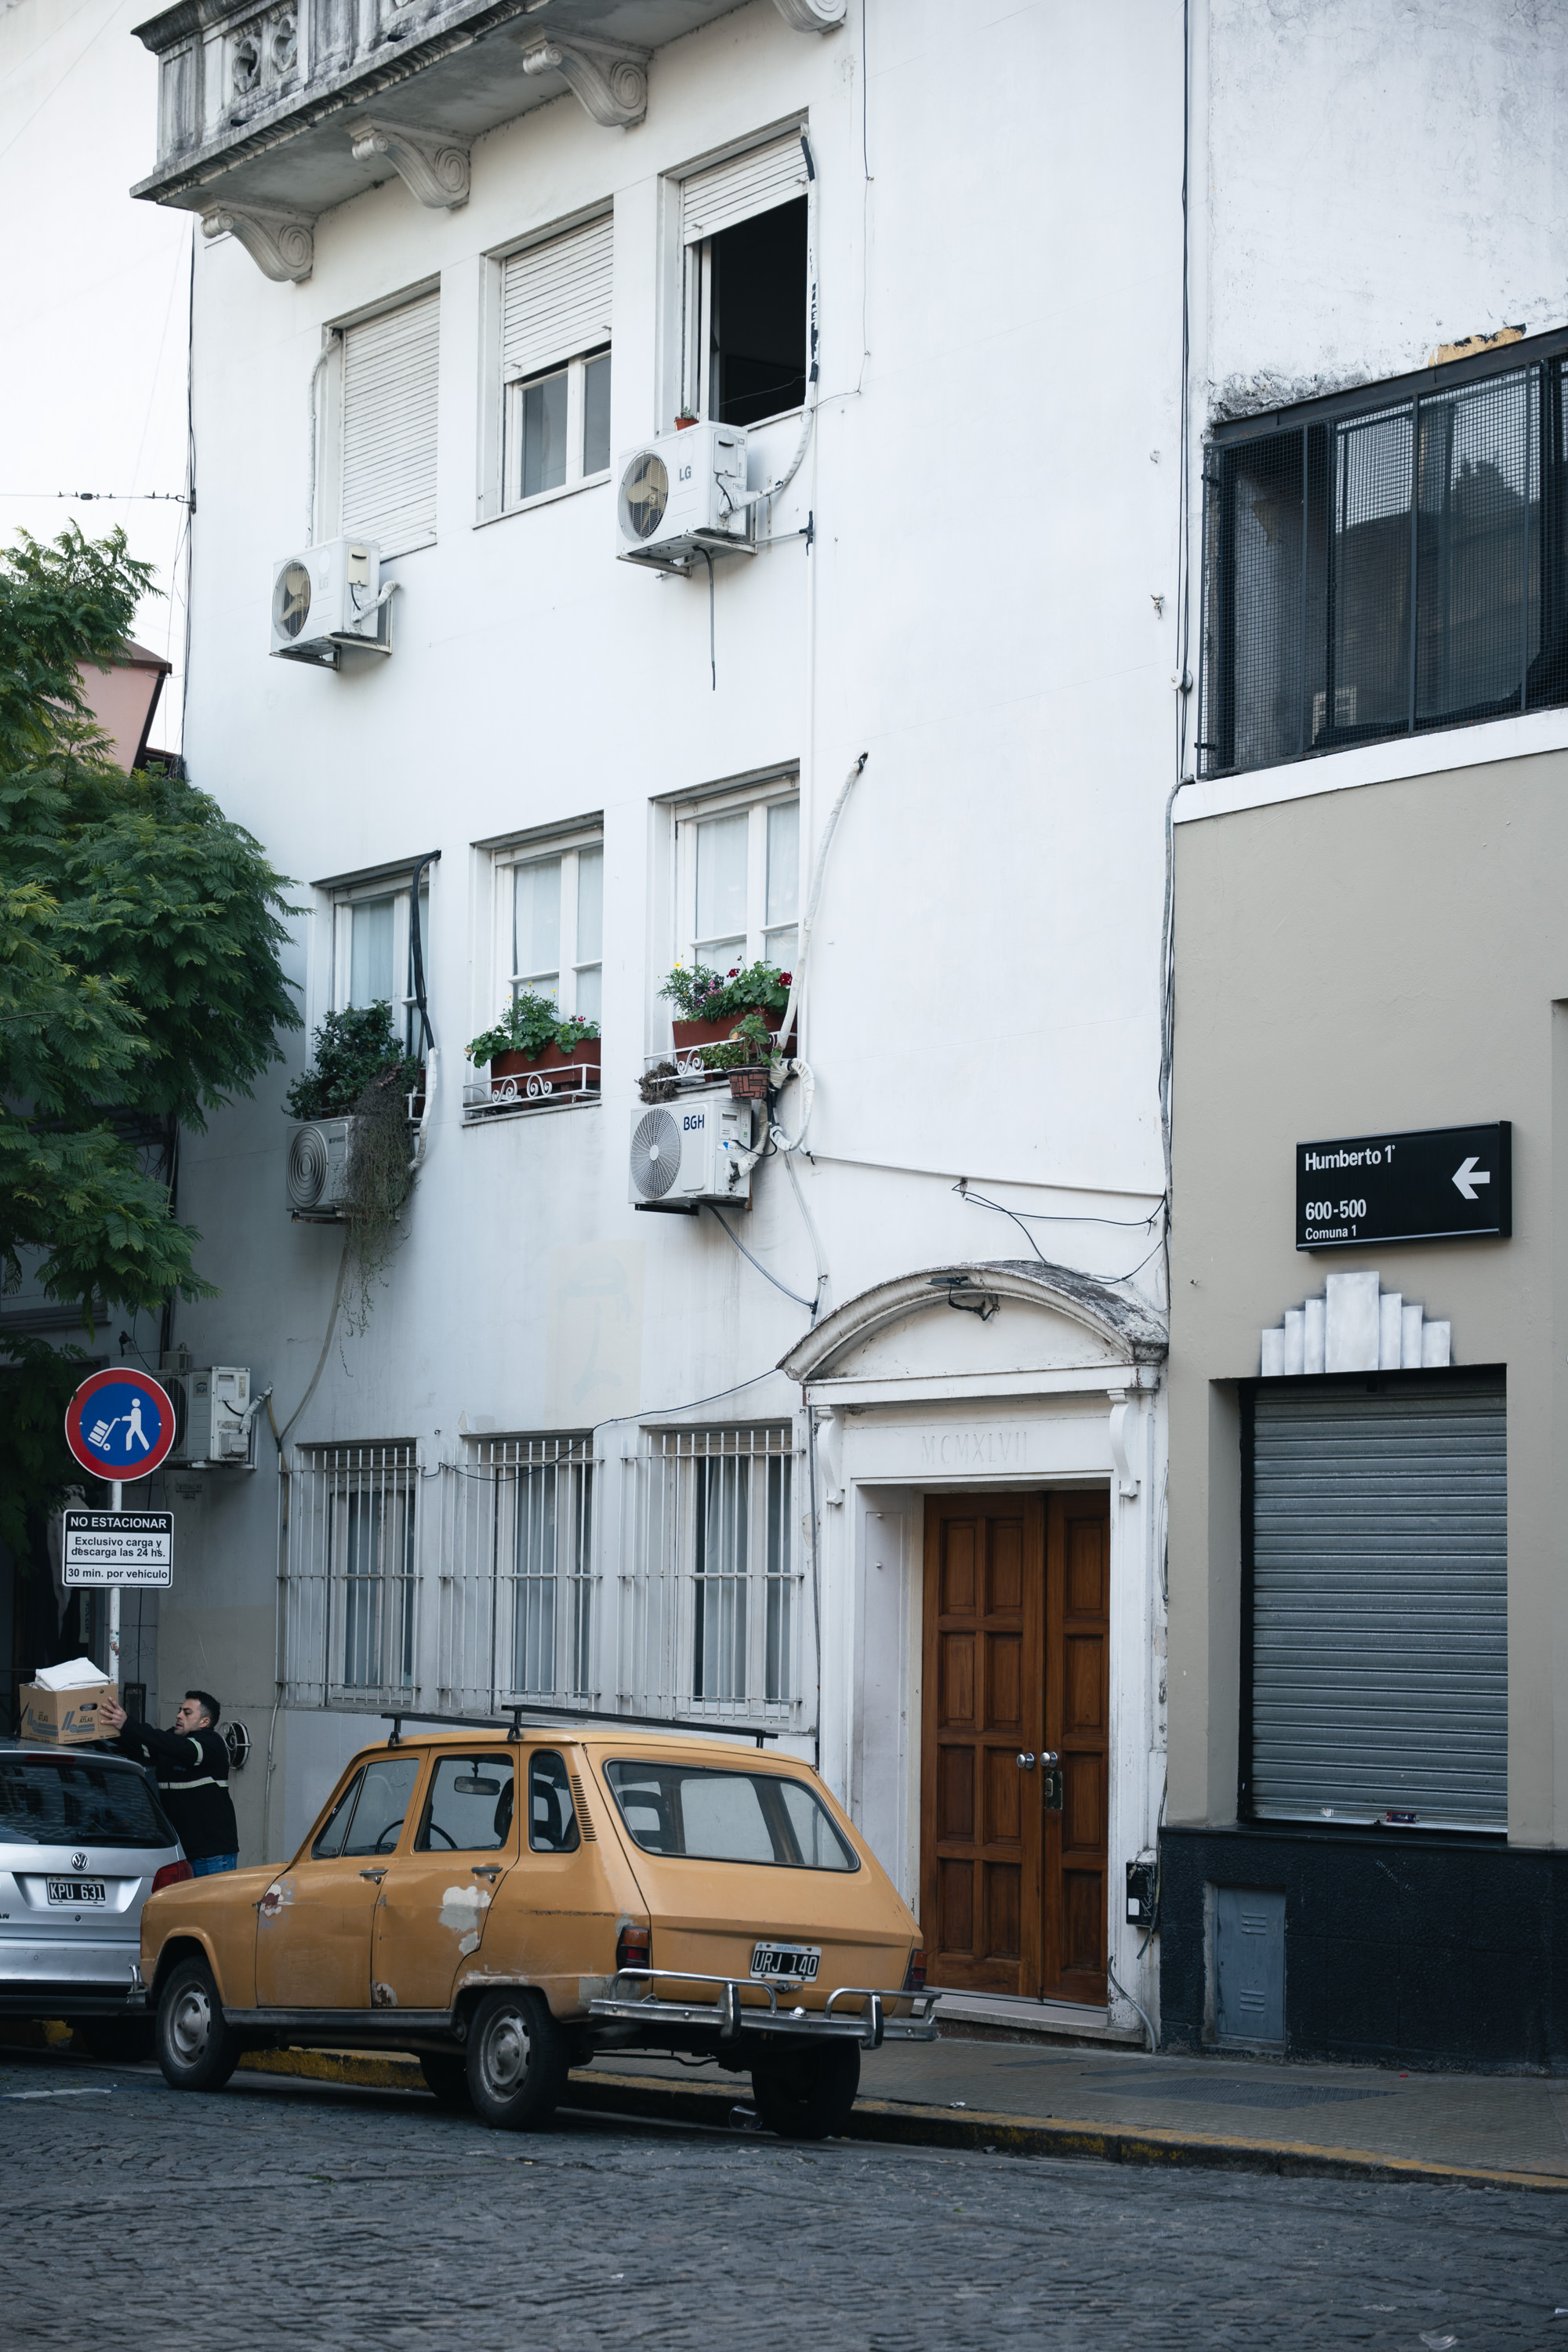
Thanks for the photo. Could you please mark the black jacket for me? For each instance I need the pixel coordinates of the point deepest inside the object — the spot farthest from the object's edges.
(192, 1768)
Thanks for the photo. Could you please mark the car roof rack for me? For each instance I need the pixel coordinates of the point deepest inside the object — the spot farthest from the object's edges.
(512, 1723)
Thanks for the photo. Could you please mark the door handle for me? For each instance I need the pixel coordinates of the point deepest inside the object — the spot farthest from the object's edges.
(1051, 1780)
(487, 1870)
(377, 1874)
(1026, 1762)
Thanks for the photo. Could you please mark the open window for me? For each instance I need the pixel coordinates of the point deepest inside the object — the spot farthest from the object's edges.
(744, 229)
(372, 953)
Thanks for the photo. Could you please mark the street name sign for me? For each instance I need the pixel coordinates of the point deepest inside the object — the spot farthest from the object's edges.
(119, 1547)
(119, 1425)
(1419, 1184)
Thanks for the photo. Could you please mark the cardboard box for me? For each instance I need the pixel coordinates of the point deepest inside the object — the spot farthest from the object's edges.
(69, 1718)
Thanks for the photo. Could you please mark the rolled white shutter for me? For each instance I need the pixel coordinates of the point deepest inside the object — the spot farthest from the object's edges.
(555, 300)
(390, 367)
(757, 182)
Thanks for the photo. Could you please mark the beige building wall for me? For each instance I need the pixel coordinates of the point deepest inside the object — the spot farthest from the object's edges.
(1385, 957)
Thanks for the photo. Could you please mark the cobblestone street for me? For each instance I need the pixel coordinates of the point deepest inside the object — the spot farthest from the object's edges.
(293, 2212)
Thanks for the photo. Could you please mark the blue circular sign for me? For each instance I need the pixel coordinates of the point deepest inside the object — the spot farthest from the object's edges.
(119, 1423)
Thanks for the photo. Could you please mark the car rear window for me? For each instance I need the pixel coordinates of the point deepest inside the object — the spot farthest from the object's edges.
(77, 1799)
(711, 1815)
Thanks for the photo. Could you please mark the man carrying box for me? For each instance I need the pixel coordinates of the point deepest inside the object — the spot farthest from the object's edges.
(191, 1764)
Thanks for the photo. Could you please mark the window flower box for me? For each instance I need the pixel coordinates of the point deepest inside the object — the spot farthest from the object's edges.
(572, 1070)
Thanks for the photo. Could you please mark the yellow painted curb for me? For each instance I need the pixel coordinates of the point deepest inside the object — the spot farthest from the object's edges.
(339, 2066)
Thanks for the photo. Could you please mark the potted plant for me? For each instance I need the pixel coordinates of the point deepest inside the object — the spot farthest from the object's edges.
(532, 1035)
(685, 417)
(352, 1051)
(706, 1005)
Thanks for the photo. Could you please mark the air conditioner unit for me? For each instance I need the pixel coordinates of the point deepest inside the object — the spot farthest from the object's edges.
(683, 495)
(317, 1172)
(691, 1150)
(329, 596)
(213, 1414)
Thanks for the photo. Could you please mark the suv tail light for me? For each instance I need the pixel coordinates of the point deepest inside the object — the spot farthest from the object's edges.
(915, 1974)
(632, 1948)
(171, 1874)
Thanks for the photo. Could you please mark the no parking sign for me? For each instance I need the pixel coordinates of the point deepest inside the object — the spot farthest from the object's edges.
(119, 1425)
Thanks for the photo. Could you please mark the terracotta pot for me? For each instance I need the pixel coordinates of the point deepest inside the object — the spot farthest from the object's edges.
(582, 1063)
(715, 1033)
(685, 424)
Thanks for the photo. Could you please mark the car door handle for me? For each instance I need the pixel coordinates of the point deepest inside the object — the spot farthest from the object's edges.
(487, 1869)
(377, 1874)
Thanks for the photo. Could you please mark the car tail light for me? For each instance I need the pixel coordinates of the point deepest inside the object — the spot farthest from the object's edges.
(915, 1974)
(171, 1874)
(632, 1947)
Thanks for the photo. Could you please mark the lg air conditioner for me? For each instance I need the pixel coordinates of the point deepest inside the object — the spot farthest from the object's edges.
(318, 1168)
(693, 1149)
(213, 1414)
(683, 496)
(330, 596)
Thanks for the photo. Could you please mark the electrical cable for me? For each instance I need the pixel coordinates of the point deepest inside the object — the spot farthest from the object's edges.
(427, 1035)
(981, 1201)
(280, 1436)
(1184, 644)
(726, 1228)
(1138, 2005)
(712, 656)
(334, 337)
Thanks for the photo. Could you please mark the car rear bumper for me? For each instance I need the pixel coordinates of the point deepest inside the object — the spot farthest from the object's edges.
(730, 2017)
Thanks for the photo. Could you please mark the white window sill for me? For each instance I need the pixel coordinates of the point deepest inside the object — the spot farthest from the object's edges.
(1484, 742)
(500, 1114)
(545, 499)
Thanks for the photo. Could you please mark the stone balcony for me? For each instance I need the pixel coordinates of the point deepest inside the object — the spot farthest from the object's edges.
(268, 116)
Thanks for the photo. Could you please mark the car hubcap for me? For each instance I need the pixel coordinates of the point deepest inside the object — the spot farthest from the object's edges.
(191, 2025)
(506, 2053)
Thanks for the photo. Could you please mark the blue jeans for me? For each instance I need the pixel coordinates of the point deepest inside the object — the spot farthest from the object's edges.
(214, 1862)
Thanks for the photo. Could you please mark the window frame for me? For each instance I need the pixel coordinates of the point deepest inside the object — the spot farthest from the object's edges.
(692, 286)
(578, 476)
(398, 886)
(567, 846)
(754, 801)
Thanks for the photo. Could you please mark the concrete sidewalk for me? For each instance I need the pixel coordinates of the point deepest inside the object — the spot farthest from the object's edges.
(1506, 2130)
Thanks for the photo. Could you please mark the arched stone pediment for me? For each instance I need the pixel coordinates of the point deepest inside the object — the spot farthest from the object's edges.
(1004, 1319)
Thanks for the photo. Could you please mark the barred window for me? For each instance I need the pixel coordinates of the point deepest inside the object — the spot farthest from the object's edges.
(521, 1577)
(713, 1619)
(1384, 563)
(351, 1578)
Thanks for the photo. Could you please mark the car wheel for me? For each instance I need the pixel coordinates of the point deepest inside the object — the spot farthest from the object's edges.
(119, 2041)
(446, 2078)
(807, 2093)
(198, 2049)
(517, 2060)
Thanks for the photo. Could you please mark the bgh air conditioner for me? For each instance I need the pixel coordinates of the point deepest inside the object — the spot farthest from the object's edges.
(693, 1149)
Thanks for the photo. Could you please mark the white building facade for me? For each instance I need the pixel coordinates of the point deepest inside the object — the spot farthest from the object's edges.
(877, 1469)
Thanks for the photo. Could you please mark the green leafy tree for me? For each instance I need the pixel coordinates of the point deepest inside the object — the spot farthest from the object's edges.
(139, 929)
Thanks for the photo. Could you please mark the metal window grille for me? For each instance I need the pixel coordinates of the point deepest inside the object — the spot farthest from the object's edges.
(350, 1576)
(517, 1578)
(1386, 565)
(712, 1612)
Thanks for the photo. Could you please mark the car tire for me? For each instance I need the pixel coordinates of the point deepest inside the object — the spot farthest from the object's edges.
(517, 2060)
(197, 2048)
(807, 2093)
(447, 2079)
(118, 2041)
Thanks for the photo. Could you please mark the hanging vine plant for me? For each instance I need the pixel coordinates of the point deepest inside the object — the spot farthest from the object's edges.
(378, 1181)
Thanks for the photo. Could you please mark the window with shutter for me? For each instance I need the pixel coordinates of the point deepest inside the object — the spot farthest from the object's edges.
(1376, 1674)
(745, 228)
(389, 402)
(555, 363)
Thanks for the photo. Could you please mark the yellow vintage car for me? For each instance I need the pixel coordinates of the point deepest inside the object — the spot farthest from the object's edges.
(508, 1903)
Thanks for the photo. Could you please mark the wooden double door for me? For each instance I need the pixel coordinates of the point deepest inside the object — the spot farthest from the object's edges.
(1014, 1897)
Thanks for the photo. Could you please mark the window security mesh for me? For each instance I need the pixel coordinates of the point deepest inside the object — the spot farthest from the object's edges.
(518, 1581)
(1385, 570)
(351, 1583)
(711, 1619)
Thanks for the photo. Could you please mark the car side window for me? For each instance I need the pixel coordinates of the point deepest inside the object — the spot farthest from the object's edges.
(551, 1815)
(469, 1807)
(330, 1842)
(383, 1798)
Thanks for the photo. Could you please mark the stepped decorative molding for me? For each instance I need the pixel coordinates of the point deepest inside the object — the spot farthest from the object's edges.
(1356, 1327)
(812, 16)
(610, 80)
(282, 245)
(433, 165)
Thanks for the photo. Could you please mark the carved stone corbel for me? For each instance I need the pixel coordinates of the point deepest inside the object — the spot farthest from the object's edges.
(281, 245)
(610, 80)
(432, 165)
(812, 16)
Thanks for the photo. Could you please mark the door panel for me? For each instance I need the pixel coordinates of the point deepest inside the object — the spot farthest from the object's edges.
(313, 1925)
(435, 1900)
(985, 1703)
(1078, 1720)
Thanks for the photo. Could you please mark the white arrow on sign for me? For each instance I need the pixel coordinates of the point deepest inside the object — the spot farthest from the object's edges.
(1466, 1176)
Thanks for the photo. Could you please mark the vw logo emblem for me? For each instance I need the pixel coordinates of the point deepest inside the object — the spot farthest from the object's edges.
(79, 1862)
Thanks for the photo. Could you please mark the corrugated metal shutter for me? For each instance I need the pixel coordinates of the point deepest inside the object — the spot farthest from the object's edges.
(744, 186)
(555, 300)
(1380, 1603)
(389, 426)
